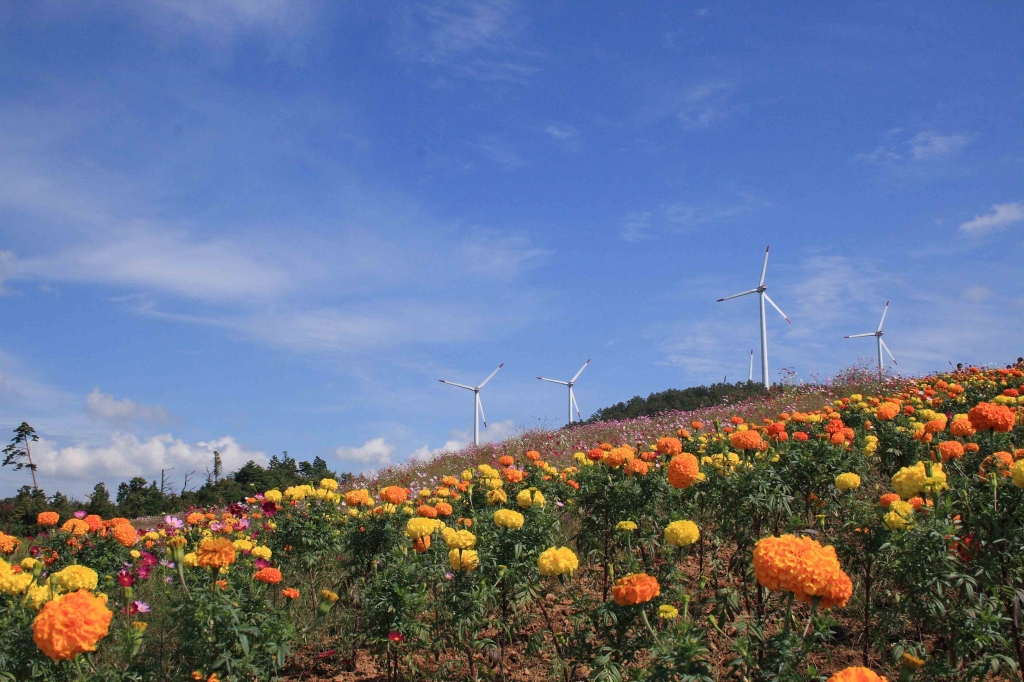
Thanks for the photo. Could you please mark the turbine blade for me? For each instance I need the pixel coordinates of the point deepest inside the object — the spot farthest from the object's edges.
(575, 404)
(888, 351)
(769, 299)
(882, 321)
(554, 381)
(857, 336)
(752, 291)
(580, 372)
(764, 268)
(452, 383)
(480, 406)
(490, 376)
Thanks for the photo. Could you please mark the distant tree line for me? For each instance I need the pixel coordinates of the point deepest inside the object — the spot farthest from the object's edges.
(685, 399)
(141, 497)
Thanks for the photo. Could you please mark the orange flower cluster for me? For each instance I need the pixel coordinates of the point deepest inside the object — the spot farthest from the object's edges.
(987, 416)
(75, 527)
(290, 593)
(426, 511)
(999, 462)
(683, 470)
(443, 509)
(512, 475)
(48, 518)
(270, 576)
(635, 588)
(354, 498)
(887, 412)
(71, 624)
(802, 566)
(636, 467)
(125, 534)
(856, 674)
(951, 449)
(394, 495)
(506, 460)
(215, 553)
(669, 446)
(746, 440)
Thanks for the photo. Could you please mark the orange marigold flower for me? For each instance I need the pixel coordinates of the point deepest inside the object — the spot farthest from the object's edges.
(636, 466)
(837, 438)
(736, 420)
(426, 511)
(696, 425)
(532, 455)
(505, 461)
(75, 527)
(8, 543)
(745, 440)
(290, 593)
(616, 457)
(834, 426)
(450, 481)
(595, 454)
(971, 447)
(354, 498)
(885, 500)
(887, 412)
(94, 521)
(635, 588)
(669, 446)
(800, 436)
(683, 470)
(951, 449)
(986, 416)
(682, 433)
(394, 494)
(421, 544)
(48, 518)
(512, 475)
(802, 566)
(268, 575)
(71, 624)
(605, 446)
(856, 674)
(997, 461)
(936, 425)
(443, 509)
(195, 519)
(125, 534)
(215, 553)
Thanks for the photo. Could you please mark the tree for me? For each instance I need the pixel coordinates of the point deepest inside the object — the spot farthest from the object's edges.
(19, 449)
(217, 466)
(99, 502)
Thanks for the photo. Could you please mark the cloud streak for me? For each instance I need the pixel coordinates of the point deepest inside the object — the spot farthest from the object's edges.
(1001, 215)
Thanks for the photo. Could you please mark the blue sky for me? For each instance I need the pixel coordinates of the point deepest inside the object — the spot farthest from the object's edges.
(265, 226)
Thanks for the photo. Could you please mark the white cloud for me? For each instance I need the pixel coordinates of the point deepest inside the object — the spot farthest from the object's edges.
(493, 432)
(172, 262)
(105, 406)
(1000, 216)
(560, 132)
(928, 145)
(475, 38)
(6, 266)
(372, 454)
(127, 456)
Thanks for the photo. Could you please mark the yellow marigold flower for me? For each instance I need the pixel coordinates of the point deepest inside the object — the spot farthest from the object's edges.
(328, 484)
(29, 564)
(419, 526)
(458, 539)
(261, 552)
(508, 518)
(557, 561)
(1018, 473)
(71, 625)
(625, 526)
(899, 516)
(667, 612)
(12, 583)
(682, 533)
(243, 545)
(152, 536)
(274, 496)
(190, 560)
(530, 497)
(36, 596)
(328, 596)
(912, 480)
(847, 481)
(463, 559)
(74, 578)
(467, 475)
(492, 483)
(215, 553)
(497, 496)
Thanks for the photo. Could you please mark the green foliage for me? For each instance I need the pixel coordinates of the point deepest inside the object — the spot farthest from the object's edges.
(685, 399)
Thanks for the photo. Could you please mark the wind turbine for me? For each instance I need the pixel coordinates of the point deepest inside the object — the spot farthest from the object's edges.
(478, 407)
(750, 376)
(572, 397)
(879, 342)
(761, 292)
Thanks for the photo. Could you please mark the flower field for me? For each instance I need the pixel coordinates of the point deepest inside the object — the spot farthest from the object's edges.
(875, 535)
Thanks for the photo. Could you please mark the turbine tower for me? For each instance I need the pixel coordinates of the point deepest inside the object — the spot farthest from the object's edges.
(572, 397)
(478, 407)
(750, 375)
(762, 294)
(879, 342)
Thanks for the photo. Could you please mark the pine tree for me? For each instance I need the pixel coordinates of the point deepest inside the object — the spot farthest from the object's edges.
(19, 449)
(217, 466)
